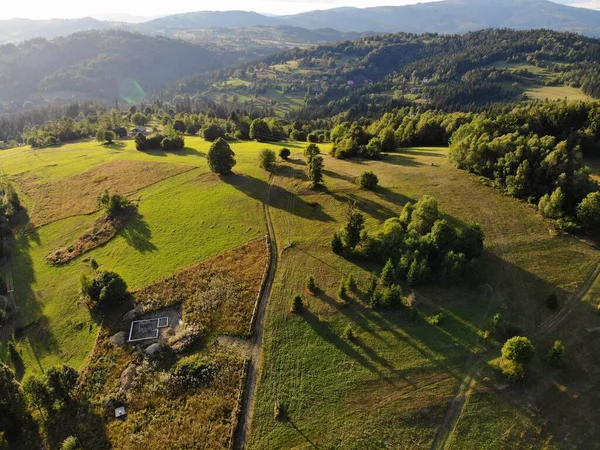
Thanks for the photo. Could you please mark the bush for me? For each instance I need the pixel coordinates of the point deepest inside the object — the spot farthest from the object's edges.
(436, 320)
(387, 273)
(107, 289)
(512, 370)
(267, 159)
(69, 443)
(284, 153)
(367, 180)
(373, 284)
(313, 138)
(392, 298)
(554, 355)
(298, 135)
(337, 246)
(518, 349)
(376, 300)
(112, 204)
(297, 304)
(311, 286)
(342, 292)
(552, 301)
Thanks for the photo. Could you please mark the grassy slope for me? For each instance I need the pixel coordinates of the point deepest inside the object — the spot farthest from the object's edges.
(182, 221)
(390, 390)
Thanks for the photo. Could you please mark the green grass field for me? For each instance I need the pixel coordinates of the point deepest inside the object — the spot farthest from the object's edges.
(181, 221)
(391, 388)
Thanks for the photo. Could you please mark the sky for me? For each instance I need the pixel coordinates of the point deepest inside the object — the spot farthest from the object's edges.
(119, 9)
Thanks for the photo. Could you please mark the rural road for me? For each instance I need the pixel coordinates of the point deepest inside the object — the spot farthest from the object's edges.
(245, 420)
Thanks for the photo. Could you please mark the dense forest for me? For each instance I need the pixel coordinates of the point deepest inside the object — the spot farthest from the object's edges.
(98, 65)
(374, 74)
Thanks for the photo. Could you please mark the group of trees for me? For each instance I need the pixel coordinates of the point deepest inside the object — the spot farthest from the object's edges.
(536, 153)
(104, 291)
(416, 247)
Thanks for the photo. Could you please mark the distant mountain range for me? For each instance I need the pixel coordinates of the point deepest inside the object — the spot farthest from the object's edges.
(449, 16)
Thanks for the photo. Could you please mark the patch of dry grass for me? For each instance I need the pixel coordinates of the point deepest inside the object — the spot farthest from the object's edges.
(159, 416)
(77, 194)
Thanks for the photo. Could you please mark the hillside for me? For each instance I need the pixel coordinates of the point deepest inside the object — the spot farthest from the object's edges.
(449, 16)
(371, 74)
(99, 64)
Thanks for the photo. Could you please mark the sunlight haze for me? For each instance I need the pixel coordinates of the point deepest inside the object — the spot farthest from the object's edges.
(135, 10)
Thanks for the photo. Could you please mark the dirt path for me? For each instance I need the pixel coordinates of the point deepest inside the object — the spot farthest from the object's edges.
(574, 299)
(256, 350)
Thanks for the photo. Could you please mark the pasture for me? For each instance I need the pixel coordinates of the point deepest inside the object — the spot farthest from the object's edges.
(392, 386)
(396, 384)
(181, 221)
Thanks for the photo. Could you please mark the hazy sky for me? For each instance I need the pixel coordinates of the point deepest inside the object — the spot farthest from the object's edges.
(45, 9)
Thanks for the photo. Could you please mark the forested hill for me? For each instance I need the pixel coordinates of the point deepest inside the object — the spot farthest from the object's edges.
(98, 64)
(438, 71)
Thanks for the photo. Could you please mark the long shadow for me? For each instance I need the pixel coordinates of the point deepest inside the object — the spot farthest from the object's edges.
(138, 234)
(374, 209)
(292, 172)
(420, 153)
(393, 197)
(41, 339)
(402, 160)
(325, 332)
(339, 176)
(301, 433)
(279, 197)
(185, 151)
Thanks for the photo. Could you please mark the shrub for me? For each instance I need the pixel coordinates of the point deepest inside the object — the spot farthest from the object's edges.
(297, 304)
(315, 170)
(512, 370)
(387, 273)
(69, 443)
(105, 290)
(367, 180)
(313, 138)
(349, 334)
(392, 298)
(342, 292)
(554, 355)
(220, 157)
(337, 246)
(112, 204)
(298, 135)
(267, 159)
(284, 153)
(373, 284)
(552, 301)
(436, 320)
(311, 286)
(518, 349)
(376, 300)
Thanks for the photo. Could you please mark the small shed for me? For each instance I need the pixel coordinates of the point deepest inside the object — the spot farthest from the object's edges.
(120, 412)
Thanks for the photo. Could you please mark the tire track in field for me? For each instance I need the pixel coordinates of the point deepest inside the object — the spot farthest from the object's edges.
(579, 295)
(248, 399)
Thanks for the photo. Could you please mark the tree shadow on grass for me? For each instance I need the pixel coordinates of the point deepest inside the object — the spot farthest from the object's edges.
(327, 334)
(292, 172)
(339, 176)
(278, 197)
(137, 234)
(376, 210)
(185, 151)
(393, 197)
(402, 160)
(295, 427)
